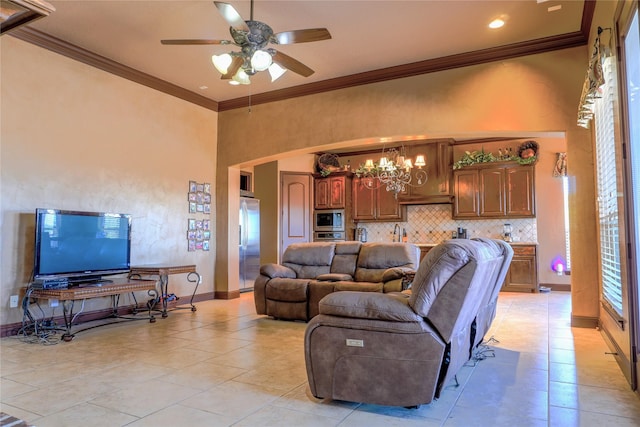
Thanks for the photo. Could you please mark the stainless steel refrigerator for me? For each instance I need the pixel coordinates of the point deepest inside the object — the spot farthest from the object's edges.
(249, 242)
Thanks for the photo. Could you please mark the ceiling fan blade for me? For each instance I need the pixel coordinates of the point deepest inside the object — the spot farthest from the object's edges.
(294, 65)
(194, 41)
(302, 36)
(231, 15)
(236, 63)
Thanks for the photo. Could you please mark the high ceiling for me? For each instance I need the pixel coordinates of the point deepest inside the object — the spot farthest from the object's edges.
(366, 35)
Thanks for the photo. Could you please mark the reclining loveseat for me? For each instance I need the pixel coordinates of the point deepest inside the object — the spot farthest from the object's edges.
(310, 271)
(400, 349)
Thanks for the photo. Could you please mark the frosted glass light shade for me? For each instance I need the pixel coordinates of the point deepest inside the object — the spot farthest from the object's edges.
(420, 162)
(222, 62)
(261, 60)
(276, 71)
(241, 77)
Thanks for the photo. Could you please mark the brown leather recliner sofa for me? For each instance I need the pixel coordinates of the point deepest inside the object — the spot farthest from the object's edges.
(400, 349)
(310, 271)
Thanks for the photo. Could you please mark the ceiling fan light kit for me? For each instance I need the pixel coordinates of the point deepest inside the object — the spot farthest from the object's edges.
(252, 37)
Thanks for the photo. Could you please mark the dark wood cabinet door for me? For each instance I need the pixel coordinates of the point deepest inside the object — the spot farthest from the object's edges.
(387, 206)
(465, 190)
(520, 191)
(337, 192)
(364, 208)
(523, 271)
(321, 195)
(492, 192)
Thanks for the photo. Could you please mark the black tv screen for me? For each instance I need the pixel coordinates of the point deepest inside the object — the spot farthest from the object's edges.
(74, 245)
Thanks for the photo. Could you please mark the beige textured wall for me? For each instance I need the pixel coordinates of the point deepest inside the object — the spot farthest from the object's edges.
(75, 137)
(537, 93)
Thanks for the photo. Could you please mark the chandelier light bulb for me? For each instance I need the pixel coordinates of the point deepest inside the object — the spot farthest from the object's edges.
(222, 62)
(261, 60)
(420, 162)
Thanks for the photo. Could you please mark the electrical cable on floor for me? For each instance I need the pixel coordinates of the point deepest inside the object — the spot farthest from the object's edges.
(35, 331)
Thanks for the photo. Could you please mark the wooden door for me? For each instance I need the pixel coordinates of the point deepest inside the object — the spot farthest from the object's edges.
(492, 192)
(465, 189)
(295, 209)
(520, 191)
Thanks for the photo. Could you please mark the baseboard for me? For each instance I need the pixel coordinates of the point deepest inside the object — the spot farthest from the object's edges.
(584, 322)
(558, 287)
(226, 294)
(13, 328)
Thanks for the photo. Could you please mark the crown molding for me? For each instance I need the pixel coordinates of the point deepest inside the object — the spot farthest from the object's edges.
(530, 47)
(500, 53)
(77, 53)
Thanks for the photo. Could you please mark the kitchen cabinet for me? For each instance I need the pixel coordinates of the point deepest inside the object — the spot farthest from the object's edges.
(437, 188)
(494, 191)
(424, 250)
(375, 204)
(333, 191)
(523, 272)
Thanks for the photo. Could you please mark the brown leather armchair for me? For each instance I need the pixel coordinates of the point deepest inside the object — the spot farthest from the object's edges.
(398, 349)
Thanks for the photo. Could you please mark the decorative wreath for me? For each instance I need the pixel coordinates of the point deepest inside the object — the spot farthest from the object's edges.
(528, 149)
(328, 163)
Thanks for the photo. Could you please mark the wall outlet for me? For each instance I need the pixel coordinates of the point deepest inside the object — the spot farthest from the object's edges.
(53, 302)
(13, 301)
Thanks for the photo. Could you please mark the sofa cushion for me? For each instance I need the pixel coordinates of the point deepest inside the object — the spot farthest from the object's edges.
(376, 258)
(363, 305)
(358, 286)
(309, 259)
(291, 290)
(345, 258)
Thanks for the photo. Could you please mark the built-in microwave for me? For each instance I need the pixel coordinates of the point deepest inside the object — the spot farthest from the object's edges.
(329, 220)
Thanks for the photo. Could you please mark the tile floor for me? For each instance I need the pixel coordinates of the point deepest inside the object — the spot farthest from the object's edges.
(223, 366)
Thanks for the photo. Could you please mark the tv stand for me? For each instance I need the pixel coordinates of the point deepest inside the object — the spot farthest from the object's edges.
(113, 289)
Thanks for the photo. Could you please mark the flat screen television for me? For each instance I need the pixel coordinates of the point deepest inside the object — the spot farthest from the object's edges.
(81, 246)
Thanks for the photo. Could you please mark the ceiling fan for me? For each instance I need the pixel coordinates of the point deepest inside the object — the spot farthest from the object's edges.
(252, 37)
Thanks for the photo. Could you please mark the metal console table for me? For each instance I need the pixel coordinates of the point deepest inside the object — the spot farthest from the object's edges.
(113, 289)
(163, 271)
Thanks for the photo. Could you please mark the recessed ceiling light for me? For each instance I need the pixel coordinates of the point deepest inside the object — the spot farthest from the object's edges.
(204, 87)
(496, 23)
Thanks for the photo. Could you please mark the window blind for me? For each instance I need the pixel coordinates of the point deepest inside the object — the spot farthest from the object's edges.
(607, 191)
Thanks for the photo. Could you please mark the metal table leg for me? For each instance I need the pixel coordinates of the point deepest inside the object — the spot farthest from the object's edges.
(194, 277)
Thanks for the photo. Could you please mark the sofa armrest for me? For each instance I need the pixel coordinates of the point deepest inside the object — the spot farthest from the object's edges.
(394, 273)
(276, 270)
(368, 305)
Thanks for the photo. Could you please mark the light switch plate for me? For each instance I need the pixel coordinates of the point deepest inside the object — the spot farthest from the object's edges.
(13, 301)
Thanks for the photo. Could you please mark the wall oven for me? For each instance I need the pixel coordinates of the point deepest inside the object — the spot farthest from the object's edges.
(329, 220)
(328, 236)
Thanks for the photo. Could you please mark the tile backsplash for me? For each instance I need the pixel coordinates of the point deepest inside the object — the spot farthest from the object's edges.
(433, 224)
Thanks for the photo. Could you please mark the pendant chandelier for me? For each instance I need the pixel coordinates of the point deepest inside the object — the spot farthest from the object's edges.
(395, 171)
